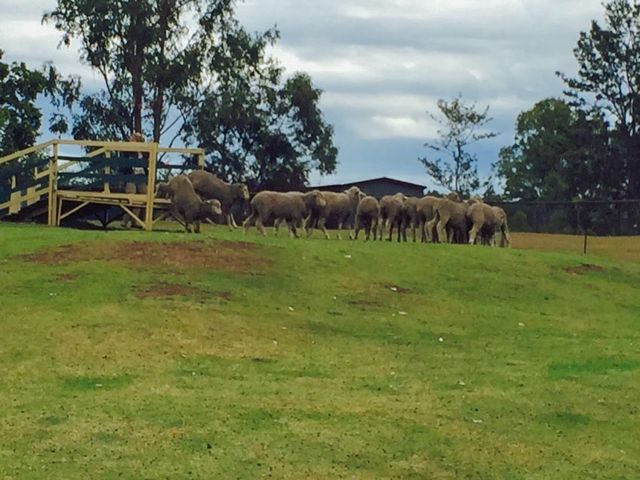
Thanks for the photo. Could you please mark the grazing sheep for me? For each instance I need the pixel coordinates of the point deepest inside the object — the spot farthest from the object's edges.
(313, 212)
(450, 220)
(391, 214)
(367, 215)
(483, 221)
(340, 206)
(185, 202)
(208, 186)
(293, 207)
(503, 227)
(426, 211)
(410, 217)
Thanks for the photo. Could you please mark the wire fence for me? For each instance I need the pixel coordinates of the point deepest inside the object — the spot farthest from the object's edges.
(581, 217)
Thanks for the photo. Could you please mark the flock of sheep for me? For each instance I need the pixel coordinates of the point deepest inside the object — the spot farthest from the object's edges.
(199, 195)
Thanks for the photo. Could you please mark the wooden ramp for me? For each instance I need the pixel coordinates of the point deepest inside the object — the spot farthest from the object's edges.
(103, 174)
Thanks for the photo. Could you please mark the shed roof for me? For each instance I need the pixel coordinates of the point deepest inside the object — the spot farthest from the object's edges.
(372, 180)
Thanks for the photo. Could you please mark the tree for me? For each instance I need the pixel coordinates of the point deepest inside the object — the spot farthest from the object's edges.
(608, 82)
(559, 153)
(20, 118)
(275, 133)
(162, 76)
(461, 126)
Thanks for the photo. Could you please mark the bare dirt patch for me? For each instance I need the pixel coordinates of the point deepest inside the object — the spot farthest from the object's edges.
(584, 268)
(236, 257)
(169, 290)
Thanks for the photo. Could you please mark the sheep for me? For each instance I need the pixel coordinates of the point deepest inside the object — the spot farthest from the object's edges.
(425, 211)
(293, 207)
(312, 212)
(339, 205)
(410, 217)
(503, 227)
(367, 215)
(391, 214)
(450, 219)
(208, 186)
(185, 202)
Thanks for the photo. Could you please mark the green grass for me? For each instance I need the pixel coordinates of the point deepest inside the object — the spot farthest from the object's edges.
(312, 359)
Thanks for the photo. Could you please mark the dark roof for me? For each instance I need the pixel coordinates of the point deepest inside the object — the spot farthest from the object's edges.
(372, 180)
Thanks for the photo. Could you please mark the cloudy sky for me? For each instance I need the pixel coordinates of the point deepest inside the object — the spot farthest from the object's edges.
(384, 63)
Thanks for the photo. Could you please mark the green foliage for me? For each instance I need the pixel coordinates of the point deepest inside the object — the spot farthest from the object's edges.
(608, 77)
(559, 153)
(461, 126)
(212, 84)
(273, 135)
(20, 118)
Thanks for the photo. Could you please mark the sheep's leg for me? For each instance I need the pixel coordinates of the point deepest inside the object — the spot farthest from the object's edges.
(473, 234)
(322, 226)
(381, 228)
(249, 222)
(260, 226)
(413, 231)
(442, 231)
(276, 226)
(197, 224)
(338, 236)
(506, 237)
(292, 228)
(389, 226)
(233, 220)
(229, 221)
(357, 231)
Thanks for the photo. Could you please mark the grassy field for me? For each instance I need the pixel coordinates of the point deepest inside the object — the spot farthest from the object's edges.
(134, 355)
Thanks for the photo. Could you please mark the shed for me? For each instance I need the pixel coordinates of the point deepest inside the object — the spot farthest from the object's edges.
(379, 187)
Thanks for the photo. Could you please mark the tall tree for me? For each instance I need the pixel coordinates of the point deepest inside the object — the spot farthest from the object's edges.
(608, 81)
(455, 167)
(166, 64)
(20, 87)
(559, 153)
(274, 133)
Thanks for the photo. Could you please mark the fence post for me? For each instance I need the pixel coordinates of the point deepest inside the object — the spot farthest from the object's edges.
(53, 187)
(151, 186)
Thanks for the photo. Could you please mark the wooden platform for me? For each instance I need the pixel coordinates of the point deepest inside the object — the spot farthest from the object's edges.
(86, 179)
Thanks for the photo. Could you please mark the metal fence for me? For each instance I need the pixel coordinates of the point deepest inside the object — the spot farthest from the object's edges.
(581, 217)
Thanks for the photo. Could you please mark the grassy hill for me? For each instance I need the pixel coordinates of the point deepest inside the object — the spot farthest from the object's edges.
(134, 355)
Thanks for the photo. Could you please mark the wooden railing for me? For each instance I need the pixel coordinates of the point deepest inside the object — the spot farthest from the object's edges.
(23, 182)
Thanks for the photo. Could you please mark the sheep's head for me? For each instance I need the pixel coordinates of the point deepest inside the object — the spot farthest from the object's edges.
(210, 208)
(317, 199)
(353, 191)
(241, 191)
(163, 190)
(454, 197)
(401, 196)
(475, 199)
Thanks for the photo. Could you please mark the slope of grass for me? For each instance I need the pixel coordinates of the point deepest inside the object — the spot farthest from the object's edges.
(135, 355)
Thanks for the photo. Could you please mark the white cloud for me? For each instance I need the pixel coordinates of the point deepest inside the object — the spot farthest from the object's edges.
(384, 63)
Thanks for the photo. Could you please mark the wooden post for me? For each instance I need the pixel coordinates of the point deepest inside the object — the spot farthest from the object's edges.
(151, 186)
(53, 187)
(201, 161)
